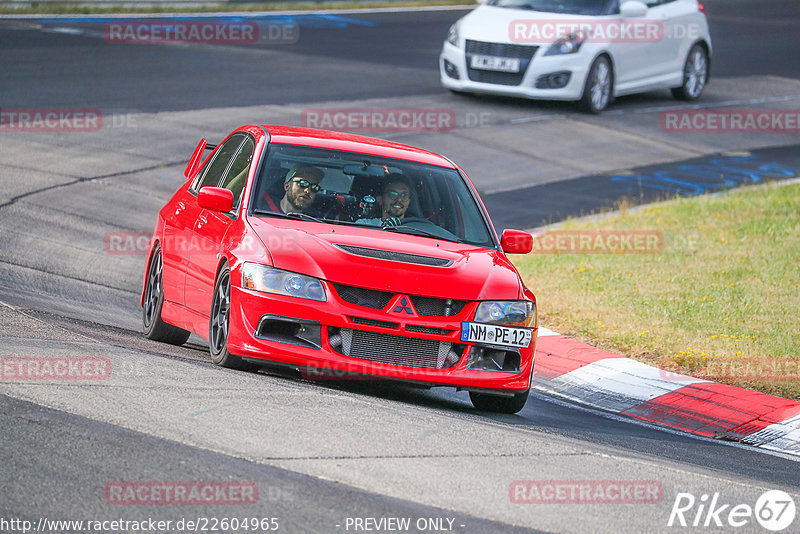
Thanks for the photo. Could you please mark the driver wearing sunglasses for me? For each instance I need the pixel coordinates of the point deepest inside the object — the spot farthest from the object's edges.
(301, 186)
(393, 202)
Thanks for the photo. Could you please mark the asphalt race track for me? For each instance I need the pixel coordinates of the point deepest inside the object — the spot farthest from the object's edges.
(331, 457)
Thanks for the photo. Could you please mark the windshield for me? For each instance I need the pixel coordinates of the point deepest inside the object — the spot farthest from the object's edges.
(383, 194)
(568, 7)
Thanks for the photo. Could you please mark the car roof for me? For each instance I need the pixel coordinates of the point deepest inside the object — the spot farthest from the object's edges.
(353, 143)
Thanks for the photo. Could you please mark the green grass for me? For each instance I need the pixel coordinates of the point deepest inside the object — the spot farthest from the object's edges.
(68, 8)
(721, 301)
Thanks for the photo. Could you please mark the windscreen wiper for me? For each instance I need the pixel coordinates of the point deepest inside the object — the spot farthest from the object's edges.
(303, 217)
(269, 212)
(290, 215)
(410, 230)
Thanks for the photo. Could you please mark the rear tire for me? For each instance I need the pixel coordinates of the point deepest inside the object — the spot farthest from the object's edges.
(495, 403)
(695, 75)
(598, 91)
(219, 324)
(154, 327)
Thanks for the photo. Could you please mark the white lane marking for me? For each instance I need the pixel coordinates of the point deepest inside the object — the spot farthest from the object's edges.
(562, 400)
(547, 332)
(788, 443)
(537, 118)
(783, 436)
(618, 384)
(67, 30)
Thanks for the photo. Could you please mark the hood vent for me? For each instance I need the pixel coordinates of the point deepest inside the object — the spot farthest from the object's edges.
(395, 256)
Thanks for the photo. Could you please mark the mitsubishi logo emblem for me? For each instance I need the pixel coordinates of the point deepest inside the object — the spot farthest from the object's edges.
(403, 307)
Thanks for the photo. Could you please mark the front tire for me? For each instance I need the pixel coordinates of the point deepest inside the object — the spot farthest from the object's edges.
(154, 327)
(219, 324)
(598, 91)
(456, 92)
(497, 404)
(695, 75)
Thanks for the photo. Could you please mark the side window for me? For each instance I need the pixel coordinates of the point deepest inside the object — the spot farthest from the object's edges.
(216, 168)
(237, 175)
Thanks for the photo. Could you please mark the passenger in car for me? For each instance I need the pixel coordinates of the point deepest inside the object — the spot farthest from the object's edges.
(300, 187)
(393, 201)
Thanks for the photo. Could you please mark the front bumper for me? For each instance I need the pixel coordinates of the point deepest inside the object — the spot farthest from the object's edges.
(308, 347)
(576, 64)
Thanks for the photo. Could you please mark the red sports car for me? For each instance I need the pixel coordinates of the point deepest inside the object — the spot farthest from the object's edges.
(342, 255)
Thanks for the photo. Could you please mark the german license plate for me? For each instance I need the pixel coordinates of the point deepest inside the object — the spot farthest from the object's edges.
(490, 334)
(502, 64)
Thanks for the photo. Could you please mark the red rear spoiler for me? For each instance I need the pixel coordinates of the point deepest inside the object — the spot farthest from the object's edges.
(197, 157)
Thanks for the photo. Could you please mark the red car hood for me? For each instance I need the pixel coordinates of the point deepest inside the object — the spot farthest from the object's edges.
(310, 248)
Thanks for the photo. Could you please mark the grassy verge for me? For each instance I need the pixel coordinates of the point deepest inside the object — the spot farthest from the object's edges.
(67, 8)
(720, 301)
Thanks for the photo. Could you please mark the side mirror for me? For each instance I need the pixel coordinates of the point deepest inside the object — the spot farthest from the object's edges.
(633, 9)
(516, 242)
(194, 161)
(215, 198)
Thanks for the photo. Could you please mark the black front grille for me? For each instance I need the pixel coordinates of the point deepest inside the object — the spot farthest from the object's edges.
(496, 78)
(428, 330)
(378, 300)
(522, 52)
(364, 297)
(396, 256)
(432, 307)
(374, 322)
(501, 49)
(395, 350)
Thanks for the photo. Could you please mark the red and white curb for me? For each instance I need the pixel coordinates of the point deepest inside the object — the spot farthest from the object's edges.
(612, 382)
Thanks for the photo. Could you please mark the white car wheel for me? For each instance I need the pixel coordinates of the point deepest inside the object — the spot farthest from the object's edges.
(695, 75)
(598, 89)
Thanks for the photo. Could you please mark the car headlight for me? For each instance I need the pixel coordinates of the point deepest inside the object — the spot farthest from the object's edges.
(271, 280)
(452, 34)
(567, 45)
(507, 313)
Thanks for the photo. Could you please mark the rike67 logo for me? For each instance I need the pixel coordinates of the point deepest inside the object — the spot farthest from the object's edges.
(774, 510)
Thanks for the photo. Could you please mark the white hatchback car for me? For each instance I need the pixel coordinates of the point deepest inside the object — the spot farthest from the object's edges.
(582, 50)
